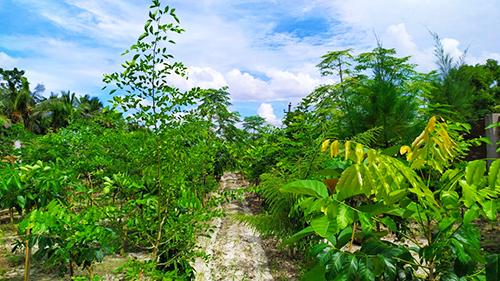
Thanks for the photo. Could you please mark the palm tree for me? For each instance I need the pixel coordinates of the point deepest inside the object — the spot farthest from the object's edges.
(16, 99)
(62, 111)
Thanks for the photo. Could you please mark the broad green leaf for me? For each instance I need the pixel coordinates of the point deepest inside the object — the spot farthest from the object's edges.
(317, 273)
(144, 35)
(474, 172)
(493, 126)
(324, 227)
(391, 151)
(330, 172)
(344, 237)
(389, 267)
(450, 277)
(366, 222)
(490, 209)
(449, 199)
(351, 267)
(307, 187)
(460, 251)
(494, 175)
(99, 255)
(492, 267)
(350, 183)
(387, 221)
(332, 210)
(447, 222)
(366, 269)
(345, 216)
(21, 201)
(470, 195)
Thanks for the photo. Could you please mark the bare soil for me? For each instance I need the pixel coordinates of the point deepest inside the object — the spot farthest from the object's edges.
(238, 253)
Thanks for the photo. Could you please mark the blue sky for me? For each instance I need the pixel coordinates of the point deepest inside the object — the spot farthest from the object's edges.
(265, 51)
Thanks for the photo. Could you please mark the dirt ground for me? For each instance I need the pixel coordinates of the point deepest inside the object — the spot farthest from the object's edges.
(236, 252)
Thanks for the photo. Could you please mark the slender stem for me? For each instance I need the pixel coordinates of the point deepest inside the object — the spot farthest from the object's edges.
(353, 234)
(158, 155)
(27, 261)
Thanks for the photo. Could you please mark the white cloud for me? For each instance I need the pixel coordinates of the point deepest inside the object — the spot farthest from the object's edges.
(450, 46)
(203, 77)
(288, 85)
(266, 111)
(6, 61)
(244, 86)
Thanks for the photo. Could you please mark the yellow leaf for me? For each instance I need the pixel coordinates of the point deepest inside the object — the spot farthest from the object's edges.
(431, 125)
(334, 149)
(347, 149)
(360, 152)
(419, 139)
(404, 149)
(372, 154)
(324, 145)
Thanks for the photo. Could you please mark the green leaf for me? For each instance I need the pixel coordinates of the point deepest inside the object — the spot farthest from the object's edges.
(389, 267)
(147, 25)
(144, 35)
(469, 192)
(450, 277)
(474, 172)
(345, 216)
(493, 175)
(387, 221)
(317, 273)
(344, 237)
(21, 201)
(297, 236)
(366, 222)
(351, 267)
(330, 172)
(449, 199)
(460, 251)
(324, 227)
(391, 151)
(99, 255)
(349, 183)
(307, 187)
(444, 224)
(492, 267)
(493, 126)
(366, 269)
(490, 209)
(486, 140)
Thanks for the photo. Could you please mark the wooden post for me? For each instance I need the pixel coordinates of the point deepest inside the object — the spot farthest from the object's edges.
(494, 135)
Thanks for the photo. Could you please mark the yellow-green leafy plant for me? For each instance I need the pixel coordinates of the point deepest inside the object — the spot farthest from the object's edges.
(428, 199)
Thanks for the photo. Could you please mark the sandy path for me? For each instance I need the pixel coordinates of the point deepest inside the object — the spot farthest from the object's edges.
(235, 251)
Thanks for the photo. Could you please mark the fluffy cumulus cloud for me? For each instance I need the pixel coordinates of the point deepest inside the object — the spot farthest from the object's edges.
(279, 85)
(266, 111)
(244, 86)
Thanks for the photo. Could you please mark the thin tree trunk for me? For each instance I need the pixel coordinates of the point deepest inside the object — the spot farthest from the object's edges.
(27, 261)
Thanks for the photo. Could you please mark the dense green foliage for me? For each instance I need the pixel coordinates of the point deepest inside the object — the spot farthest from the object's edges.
(375, 197)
